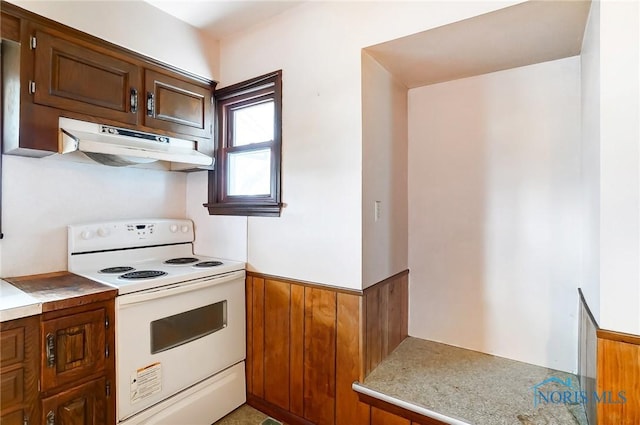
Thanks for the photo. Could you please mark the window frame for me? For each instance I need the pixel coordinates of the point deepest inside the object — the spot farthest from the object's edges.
(251, 92)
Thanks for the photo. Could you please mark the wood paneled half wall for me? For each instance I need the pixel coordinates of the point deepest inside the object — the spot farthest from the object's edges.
(613, 397)
(307, 343)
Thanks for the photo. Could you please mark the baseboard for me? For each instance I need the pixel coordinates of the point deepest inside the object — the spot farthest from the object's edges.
(275, 411)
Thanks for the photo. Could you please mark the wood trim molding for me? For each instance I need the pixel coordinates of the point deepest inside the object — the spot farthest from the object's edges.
(275, 411)
(618, 336)
(399, 411)
(304, 283)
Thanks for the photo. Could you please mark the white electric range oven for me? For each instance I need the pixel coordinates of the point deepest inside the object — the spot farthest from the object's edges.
(180, 319)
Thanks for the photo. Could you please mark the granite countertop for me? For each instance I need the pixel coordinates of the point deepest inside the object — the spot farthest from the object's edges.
(28, 295)
(466, 386)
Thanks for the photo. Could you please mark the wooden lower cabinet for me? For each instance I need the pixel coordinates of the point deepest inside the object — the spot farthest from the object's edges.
(77, 369)
(382, 417)
(81, 405)
(19, 371)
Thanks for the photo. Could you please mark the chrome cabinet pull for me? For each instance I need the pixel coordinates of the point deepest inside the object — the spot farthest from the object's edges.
(51, 350)
(134, 100)
(51, 418)
(150, 104)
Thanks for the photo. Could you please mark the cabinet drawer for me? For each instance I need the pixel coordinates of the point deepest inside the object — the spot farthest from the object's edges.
(13, 418)
(73, 347)
(76, 78)
(11, 347)
(11, 388)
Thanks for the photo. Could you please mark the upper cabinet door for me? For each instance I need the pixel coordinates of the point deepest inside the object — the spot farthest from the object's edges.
(74, 77)
(177, 105)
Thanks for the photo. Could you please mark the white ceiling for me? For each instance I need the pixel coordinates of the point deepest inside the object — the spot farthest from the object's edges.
(520, 35)
(221, 18)
(529, 32)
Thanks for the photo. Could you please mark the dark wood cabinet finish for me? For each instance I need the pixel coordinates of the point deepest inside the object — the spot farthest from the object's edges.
(19, 371)
(85, 404)
(74, 346)
(78, 364)
(75, 77)
(65, 72)
(174, 104)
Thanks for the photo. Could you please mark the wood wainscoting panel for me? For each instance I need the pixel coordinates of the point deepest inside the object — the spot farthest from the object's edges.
(296, 350)
(386, 310)
(618, 370)
(319, 355)
(349, 366)
(305, 346)
(277, 297)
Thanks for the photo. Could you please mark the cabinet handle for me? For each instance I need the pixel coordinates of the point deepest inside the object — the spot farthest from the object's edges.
(51, 418)
(51, 350)
(150, 104)
(134, 101)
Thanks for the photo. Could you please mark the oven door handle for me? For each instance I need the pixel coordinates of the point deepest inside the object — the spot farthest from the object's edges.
(180, 288)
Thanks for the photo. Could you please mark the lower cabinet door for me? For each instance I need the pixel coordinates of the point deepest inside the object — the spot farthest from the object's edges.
(13, 418)
(85, 404)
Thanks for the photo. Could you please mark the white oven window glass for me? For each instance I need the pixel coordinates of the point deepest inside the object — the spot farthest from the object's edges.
(173, 331)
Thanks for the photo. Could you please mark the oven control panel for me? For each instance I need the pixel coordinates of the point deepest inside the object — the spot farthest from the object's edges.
(128, 234)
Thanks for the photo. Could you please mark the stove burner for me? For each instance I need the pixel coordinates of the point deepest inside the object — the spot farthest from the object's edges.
(142, 274)
(116, 270)
(182, 260)
(208, 264)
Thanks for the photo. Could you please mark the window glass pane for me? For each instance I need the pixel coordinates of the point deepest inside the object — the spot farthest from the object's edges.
(249, 173)
(253, 124)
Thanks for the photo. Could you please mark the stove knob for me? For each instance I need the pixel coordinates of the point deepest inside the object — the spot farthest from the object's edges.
(173, 228)
(103, 232)
(184, 228)
(86, 234)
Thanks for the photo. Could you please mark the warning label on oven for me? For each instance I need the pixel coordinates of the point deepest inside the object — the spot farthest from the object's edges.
(145, 382)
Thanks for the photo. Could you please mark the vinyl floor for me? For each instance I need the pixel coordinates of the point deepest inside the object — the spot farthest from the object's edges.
(246, 415)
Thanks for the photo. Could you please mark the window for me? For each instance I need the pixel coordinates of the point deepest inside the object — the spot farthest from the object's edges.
(246, 179)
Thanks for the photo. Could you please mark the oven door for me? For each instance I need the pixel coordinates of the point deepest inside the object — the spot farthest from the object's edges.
(171, 338)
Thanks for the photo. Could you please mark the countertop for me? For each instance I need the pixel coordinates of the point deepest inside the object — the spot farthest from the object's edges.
(28, 295)
(15, 303)
(462, 386)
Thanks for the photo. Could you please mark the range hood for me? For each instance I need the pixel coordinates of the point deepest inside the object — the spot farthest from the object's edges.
(119, 147)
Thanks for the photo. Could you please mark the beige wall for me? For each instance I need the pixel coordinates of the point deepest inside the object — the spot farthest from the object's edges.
(611, 164)
(384, 173)
(318, 46)
(494, 214)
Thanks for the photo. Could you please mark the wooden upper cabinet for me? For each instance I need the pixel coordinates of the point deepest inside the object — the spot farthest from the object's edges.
(175, 104)
(74, 346)
(74, 77)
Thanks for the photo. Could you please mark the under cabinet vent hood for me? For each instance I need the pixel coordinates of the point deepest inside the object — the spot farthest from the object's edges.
(119, 147)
